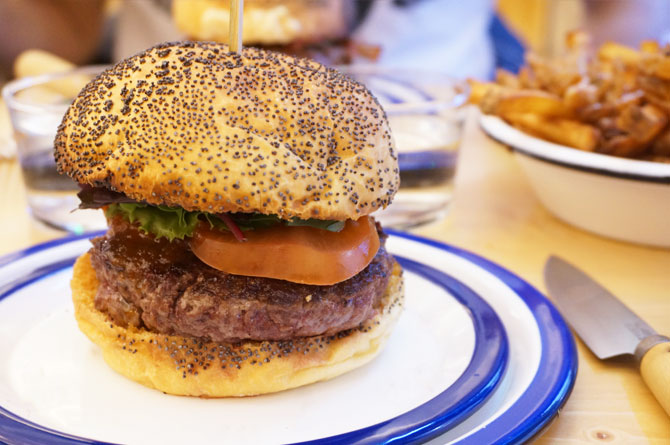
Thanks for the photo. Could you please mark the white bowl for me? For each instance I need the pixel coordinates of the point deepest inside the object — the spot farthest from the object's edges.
(619, 198)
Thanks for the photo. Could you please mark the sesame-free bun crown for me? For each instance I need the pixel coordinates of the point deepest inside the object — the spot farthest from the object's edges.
(192, 125)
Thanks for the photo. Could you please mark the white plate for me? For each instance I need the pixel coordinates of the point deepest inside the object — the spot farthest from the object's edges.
(55, 387)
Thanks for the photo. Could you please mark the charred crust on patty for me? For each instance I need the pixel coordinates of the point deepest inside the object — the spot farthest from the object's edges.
(164, 287)
(195, 367)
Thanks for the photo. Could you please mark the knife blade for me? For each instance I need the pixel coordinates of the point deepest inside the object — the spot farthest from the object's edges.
(607, 326)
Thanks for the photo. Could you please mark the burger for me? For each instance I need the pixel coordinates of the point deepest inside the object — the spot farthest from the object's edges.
(318, 29)
(241, 257)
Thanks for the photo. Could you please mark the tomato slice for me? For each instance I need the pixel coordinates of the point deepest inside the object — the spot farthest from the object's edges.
(299, 254)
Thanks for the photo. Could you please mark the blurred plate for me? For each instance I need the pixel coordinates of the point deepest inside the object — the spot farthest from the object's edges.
(624, 199)
(444, 362)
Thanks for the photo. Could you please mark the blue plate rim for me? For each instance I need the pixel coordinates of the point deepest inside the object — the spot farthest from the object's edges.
(556, 374)
(438, 415)
(447, 409)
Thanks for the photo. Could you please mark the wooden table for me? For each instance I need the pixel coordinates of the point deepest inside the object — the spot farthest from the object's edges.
(495, 214)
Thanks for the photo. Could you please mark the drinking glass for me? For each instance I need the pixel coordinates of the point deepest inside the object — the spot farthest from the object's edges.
(426, 117)
(36, 107)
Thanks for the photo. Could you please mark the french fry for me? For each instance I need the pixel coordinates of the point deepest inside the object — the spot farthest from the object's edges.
(478, 90)
(553, 77)
(615, 51)
(526, 78)
(657, 65)
(487, 95)
(644, 122)
(639, 125)
(616, 103)
(562, 131)
(507, 79)
(34, 62)
(650, 47)
(622, 145)
(636, 127)
(580, 95)
(656, 91)
(532, 101)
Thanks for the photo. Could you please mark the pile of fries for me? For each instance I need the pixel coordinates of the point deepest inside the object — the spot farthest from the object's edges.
(615, 100)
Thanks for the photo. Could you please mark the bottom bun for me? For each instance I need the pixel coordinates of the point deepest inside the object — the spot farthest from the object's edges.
(193, 367)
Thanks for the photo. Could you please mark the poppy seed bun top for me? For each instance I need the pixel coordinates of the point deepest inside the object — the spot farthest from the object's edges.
(192, 125)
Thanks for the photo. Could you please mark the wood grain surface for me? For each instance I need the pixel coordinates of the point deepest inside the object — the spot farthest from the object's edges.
(495, 214)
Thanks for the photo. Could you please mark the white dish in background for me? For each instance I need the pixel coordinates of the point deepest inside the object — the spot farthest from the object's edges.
(55, 387)
(624, 199)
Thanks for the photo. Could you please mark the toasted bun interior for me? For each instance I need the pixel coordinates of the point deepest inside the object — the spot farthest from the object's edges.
(192, 125)
(185, 366)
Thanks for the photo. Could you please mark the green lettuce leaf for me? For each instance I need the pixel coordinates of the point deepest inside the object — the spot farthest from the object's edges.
(160, 221)
(176, 223)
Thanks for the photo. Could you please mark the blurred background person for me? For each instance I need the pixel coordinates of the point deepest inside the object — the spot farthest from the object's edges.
(452, 37)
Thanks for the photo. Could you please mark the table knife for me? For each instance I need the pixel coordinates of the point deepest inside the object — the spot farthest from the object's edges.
(608, 327)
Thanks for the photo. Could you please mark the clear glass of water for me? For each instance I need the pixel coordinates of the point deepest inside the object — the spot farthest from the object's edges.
(426, 116)
(36, 106)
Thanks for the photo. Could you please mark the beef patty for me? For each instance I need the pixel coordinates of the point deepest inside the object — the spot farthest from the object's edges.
(162, 286)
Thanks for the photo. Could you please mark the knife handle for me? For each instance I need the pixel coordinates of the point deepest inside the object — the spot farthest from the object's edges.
(655, 367)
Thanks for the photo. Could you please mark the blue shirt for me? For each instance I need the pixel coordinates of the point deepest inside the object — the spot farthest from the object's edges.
(449, 36)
